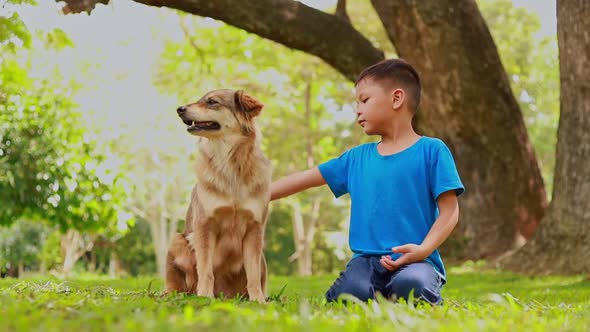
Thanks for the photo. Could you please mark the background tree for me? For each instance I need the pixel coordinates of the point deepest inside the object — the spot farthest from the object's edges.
(21, 245)
(51, 169)
(136, 250)
(160, 195)
(561, 243)
(531, 63)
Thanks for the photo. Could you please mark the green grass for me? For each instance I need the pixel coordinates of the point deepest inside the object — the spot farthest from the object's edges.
(474, 301)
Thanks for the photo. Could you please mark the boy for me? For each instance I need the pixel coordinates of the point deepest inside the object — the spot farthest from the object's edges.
(395, 187)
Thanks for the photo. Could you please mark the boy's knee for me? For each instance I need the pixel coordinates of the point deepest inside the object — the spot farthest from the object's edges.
(422, 285)
(404, 285)
(360, 289)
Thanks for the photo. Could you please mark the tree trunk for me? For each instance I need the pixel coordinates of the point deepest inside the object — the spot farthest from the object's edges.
(73, 247)
(467, 102)
(303, 261)
(304, 240)
(114, 265)
(21, 270)
(159, 238)
(158, 212)
(561, 243)
(12, 271)
(304, 234)
(92, 263)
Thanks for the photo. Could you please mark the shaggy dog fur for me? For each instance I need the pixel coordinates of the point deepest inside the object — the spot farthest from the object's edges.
(220, 251)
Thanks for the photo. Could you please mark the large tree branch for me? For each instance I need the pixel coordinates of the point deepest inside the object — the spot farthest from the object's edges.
(78, 6)
(287, 22)
(341, 11)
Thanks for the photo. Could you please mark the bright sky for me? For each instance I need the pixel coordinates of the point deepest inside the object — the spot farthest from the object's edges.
(546, 10)
(119, 55)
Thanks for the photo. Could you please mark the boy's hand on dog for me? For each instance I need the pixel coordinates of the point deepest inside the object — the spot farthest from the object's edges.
(411, 253)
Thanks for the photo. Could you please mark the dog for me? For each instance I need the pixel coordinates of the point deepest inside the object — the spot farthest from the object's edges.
(220, 251)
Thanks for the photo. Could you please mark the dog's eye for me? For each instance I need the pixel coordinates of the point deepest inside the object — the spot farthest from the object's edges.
(212, 102)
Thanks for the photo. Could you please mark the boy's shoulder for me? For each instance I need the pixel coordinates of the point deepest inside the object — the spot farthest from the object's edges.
(433, 147)
(361, 148)
(365, 146)
(433, 142)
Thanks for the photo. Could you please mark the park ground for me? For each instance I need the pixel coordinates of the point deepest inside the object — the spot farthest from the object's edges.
(476, 299)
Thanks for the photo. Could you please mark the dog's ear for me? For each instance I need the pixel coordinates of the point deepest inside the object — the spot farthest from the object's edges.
(247, 103)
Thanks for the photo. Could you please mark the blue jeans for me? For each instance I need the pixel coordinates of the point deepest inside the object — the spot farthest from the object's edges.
(364, 276)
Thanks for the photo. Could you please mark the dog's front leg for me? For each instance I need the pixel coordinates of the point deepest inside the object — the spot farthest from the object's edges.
(252, 262)
(205, 242)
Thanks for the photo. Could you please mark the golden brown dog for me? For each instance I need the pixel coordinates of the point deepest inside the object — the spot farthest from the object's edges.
(221, 248)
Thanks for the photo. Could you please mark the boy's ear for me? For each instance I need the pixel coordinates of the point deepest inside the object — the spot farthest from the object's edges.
(248, 103)
(398, 97)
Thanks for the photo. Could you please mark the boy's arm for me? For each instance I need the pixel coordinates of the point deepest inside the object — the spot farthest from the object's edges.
(441, 229)
(296, 182)
(445, 223)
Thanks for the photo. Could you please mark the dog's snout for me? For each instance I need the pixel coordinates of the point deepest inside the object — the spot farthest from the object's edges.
(181, 110)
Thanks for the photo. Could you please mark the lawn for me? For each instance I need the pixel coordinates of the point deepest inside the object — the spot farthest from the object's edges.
(475, 300)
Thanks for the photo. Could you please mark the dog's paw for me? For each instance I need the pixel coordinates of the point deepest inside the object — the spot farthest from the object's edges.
(204, 292)
(257, 296)
(261, 300)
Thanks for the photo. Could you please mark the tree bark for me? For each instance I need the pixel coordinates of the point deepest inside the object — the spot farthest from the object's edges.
(341, 11)
(467, 102)
(561, 243)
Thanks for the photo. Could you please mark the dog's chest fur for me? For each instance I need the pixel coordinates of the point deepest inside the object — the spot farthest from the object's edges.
(228, 211)
(233, 195)
(234, 181)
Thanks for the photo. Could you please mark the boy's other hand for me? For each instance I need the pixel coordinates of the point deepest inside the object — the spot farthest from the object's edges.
(296, 182)
(411, 253)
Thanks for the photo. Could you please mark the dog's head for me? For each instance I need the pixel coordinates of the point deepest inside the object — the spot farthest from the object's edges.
(221, 112)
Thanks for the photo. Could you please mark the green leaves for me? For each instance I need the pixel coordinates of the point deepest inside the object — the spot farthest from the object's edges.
(22, 242)
(57, 39)
(51, 167)
(13, 33)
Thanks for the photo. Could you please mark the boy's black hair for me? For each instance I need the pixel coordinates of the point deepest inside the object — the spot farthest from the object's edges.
(397, 72)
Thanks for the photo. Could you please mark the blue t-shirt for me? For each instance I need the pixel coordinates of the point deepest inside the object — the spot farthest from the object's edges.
(393, 197)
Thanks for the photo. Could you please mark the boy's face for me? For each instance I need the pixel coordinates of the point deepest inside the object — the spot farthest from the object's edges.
(374, 106)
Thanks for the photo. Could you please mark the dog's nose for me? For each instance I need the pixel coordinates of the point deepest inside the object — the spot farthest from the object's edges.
(181, 109)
